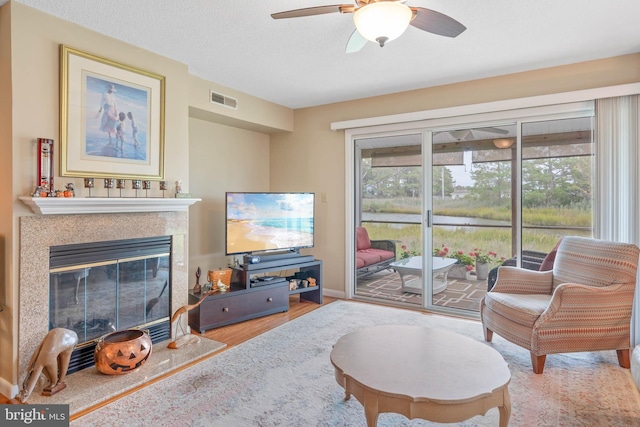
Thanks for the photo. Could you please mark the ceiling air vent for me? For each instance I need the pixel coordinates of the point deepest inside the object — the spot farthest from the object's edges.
(220, 99)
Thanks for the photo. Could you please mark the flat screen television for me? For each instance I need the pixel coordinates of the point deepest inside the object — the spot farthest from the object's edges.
(266, 222)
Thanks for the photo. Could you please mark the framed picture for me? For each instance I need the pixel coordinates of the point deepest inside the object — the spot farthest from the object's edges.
(111, 118)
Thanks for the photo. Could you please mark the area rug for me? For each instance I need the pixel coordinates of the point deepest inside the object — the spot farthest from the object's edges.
(284, 378)
(460, 293)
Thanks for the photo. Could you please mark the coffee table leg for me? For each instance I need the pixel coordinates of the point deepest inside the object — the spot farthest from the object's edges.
(371, 408)
(505, 410)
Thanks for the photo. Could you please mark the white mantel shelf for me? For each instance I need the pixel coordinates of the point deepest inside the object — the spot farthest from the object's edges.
(98, 205)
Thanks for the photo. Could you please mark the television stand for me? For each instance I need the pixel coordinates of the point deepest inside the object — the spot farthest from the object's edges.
(250, 295)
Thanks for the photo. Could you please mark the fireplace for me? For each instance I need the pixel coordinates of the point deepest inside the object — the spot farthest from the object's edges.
(42, 236)
(101, 287)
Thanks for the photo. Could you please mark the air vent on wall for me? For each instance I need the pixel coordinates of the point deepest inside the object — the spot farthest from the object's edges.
(227, 101)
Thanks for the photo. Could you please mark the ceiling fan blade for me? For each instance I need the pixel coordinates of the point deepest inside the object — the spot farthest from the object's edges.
(436, 22)
(317, 10)
(356, 42)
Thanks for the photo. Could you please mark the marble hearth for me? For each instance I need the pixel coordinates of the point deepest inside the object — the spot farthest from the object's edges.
(38, 233)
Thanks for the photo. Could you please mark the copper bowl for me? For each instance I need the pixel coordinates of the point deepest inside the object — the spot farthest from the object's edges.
(122, 352)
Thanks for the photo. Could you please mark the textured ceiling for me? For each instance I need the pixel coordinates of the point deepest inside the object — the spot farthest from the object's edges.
(302, 62)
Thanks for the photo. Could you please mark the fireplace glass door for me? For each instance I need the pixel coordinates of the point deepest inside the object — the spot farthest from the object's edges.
(101, 287)
(102, 297)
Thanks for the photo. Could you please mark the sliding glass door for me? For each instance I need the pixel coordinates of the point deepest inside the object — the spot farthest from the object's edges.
(557, 184)
(471, 198)
(388, 231)
(473, 210)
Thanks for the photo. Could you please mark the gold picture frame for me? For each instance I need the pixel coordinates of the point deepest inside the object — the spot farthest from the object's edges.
(111, 118)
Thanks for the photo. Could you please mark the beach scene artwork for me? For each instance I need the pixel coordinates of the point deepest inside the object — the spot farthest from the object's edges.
(116, 120)
(269, 221)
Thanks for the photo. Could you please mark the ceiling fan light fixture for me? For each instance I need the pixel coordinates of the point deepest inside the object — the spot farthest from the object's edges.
(382, 21)
(460, 134)
(503, 142)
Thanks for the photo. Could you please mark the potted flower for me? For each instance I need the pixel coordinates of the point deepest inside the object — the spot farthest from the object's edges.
(408, 253)
(464, 265)
(442, 252)
(483, 259)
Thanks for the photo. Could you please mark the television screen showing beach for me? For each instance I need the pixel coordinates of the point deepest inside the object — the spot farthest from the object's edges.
(269, 221)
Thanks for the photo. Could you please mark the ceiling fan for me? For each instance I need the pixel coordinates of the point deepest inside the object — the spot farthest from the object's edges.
(467, 134)
(382, 20)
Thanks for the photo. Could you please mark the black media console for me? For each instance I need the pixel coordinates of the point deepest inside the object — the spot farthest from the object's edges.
(258, 290)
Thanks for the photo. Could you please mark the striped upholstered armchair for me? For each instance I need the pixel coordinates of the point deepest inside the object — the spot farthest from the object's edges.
(583, 304)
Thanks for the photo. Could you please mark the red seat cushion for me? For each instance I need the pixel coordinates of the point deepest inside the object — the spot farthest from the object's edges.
(372, 256)
(365, 254)
(384, 255)
(362, 239)
(368, 257)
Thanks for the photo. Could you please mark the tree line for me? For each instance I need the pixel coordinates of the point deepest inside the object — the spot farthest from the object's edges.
(555, 182)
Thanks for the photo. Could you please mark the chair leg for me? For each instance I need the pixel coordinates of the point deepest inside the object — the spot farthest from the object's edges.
(537, 362)
(488, 334)
(623, 358)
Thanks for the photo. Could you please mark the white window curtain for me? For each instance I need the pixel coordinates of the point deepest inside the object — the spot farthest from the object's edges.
(618, 180)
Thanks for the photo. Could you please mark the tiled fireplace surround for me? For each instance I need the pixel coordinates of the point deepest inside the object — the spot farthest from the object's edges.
(38, 233)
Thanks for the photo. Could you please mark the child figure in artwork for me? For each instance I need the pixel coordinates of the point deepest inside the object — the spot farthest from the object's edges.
(134, 128)
(120, 130)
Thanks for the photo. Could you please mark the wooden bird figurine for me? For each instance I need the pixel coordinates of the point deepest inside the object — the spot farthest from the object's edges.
(186, 337)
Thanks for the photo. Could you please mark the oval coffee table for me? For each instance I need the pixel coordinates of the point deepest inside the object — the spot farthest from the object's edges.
(421, 372)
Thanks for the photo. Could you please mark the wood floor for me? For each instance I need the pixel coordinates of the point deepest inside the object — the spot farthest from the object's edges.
(233, 335)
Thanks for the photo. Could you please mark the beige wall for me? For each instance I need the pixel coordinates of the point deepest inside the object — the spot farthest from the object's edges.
(35, 40)
(7, 292)
(318, 153)
(222, 158)
(251, 113)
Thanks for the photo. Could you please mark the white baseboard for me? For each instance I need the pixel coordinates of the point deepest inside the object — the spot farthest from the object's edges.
(333, 293)
(8, 389)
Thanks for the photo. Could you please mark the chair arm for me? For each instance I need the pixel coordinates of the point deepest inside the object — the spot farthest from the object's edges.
(387, 245)
(591, 306)
(514, 280)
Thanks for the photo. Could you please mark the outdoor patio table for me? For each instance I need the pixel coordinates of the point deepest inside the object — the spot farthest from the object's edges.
(413, 266)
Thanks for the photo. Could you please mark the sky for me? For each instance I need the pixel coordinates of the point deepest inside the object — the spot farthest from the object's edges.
(462, 174)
